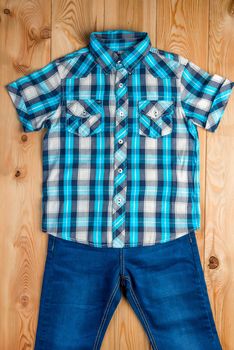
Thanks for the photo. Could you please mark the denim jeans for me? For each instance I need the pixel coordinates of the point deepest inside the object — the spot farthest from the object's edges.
(164, 284)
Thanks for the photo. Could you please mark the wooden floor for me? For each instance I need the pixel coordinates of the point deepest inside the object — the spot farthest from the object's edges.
(37, 31)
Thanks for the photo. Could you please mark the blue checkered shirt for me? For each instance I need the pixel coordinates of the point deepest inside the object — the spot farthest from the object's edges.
(121, 149)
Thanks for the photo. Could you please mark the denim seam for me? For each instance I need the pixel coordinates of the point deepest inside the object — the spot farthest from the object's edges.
(142, 313)
(44, 322)
(109, 303)
(122, 261)
(202, 293)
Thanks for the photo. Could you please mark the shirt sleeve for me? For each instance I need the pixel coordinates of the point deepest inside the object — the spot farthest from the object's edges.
(36, 96)
(204, 96)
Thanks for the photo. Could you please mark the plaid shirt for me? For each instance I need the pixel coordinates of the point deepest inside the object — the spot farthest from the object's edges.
(121, 151)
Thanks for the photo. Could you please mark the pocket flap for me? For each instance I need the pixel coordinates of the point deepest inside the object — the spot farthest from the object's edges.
(155, 109)
(155, 117)
(84, 117)
(84, 108)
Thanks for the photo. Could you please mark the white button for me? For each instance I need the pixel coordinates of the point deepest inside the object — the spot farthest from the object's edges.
(121, 113)
(120, 85)
(156, 113)
(119, 61)
(120, 170)
(120, 141)
(84, 112)
(119, 200)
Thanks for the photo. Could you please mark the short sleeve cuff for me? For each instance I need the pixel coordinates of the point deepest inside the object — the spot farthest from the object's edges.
(219, 104)
(17, 99)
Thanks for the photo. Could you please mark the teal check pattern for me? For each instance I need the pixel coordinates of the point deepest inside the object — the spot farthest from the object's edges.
(121, 148)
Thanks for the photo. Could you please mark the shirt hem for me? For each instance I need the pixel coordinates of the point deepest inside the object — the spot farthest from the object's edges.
(106, 245)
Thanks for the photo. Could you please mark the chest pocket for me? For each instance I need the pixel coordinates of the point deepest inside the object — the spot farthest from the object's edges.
(84, 117)
(155, 117)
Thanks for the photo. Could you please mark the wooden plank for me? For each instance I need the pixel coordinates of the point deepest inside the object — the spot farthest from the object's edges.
(25, 46)
(219, 179)
(178, 26)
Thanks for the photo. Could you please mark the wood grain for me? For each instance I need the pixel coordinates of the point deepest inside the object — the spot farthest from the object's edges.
(219, 214)
(25, 46)
(32, 34)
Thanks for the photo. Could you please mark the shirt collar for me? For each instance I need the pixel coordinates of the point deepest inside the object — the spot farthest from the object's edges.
(100, 43)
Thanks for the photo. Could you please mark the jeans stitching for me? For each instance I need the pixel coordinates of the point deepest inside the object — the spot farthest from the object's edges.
(142, 314)
(109, 303)
(122, 261)
(202, 292)
(44, 324)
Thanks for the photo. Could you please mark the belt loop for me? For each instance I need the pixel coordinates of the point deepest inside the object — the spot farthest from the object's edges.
(190, 236)
(51, 242)
(121, 261)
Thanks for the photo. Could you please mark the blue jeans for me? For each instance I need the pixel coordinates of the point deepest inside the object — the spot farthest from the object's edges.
(164, 284)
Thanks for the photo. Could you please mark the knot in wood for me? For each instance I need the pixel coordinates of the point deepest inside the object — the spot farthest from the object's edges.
(45, 33)
(24, 300)
(213, 262)
(24, 138)
(18, 173)
(7, 11)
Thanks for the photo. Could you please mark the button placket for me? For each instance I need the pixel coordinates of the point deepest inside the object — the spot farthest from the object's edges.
(120, 156)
